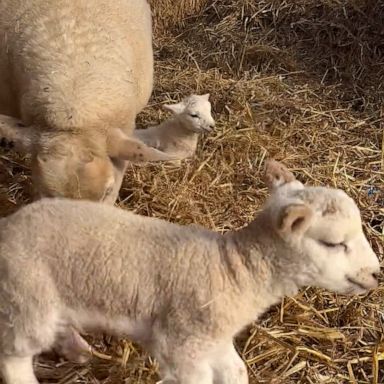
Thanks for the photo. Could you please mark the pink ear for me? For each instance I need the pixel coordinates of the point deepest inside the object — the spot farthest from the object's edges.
(175, 108)
(276, 174)
(294, 218)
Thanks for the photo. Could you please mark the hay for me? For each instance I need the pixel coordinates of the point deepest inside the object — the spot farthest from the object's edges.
(298, 81)
(168, 14)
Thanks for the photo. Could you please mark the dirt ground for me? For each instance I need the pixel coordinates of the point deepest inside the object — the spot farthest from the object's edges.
(302, 82)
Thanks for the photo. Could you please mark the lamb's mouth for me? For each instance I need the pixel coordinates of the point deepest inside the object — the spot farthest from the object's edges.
(357, 283)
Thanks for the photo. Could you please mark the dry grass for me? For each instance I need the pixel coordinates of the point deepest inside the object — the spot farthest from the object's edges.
(169, 13)
(300, 81)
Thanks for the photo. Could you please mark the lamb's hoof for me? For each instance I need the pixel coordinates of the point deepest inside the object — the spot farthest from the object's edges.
(79, 358)
(74, 357)
(73, 347)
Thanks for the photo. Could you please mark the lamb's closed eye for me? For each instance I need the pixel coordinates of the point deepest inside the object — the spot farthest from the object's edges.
(194, 115)
(334, 245)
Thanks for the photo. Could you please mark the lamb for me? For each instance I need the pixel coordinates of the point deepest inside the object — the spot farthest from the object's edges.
(182, 292)
(179, 135)
(73, 76)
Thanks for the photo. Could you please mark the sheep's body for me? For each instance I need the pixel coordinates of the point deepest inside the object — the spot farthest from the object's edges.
(183, 292)
(179, 135)
(149, 290)
(75, 72)
(75, 64)
(170, 137)
(104, 265)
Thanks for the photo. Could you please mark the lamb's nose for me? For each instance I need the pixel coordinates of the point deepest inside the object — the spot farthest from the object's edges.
(211, 126)
(375, 275)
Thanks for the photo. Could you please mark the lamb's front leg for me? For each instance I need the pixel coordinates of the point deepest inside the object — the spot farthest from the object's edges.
(17, 370)
(183, 363)
(228, 367)
(182, 368)
(120, 166)
(207, 364)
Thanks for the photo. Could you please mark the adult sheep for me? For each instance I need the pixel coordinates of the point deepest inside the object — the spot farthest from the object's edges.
(73, 76)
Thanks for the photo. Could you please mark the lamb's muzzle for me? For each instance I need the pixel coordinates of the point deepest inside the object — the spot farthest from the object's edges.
(372, 283)
(183, 292)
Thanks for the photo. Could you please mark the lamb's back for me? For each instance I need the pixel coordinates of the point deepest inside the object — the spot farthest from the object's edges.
(104, 257)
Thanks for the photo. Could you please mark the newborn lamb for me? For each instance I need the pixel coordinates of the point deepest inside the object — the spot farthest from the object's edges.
(182, 292)
(178, 136)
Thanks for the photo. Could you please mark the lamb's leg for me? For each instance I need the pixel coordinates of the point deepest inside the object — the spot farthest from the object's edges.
(185, 363)
(72, 346)
(228, 367)
(120, 167)
(29, 334)
(182, 370)
(29, 321)
(17, 370)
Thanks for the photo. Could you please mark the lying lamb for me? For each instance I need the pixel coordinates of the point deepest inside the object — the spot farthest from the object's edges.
(179, 135)
(73, 76)
(183, 292)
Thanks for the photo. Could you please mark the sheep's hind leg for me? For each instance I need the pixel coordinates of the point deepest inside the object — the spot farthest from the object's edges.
(17, 370)
(228, 366)
(29, 321)
(72, 346)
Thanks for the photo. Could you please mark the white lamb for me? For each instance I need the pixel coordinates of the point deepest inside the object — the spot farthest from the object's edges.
(178, 136)
(73, 76)
(182, 292)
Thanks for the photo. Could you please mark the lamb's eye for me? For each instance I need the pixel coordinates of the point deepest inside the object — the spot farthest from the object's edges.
(194, 115)
(334, 245)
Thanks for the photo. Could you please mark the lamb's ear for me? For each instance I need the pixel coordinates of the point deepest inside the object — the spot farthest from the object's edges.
(294, 219)
(206, 96)
(276, 174)
(175, 108)
(123, 147)
(13, 131)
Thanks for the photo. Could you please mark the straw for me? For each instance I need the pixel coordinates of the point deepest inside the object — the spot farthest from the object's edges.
(299, 81)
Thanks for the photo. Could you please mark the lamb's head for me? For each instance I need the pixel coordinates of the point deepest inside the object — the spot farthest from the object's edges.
(194, 112)
(321, 228)
(77, 165)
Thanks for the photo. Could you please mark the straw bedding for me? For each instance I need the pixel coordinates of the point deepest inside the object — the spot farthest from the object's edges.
(302, 82)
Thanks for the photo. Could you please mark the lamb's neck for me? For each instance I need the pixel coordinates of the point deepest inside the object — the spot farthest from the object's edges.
(257, 246)
(182, 128)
